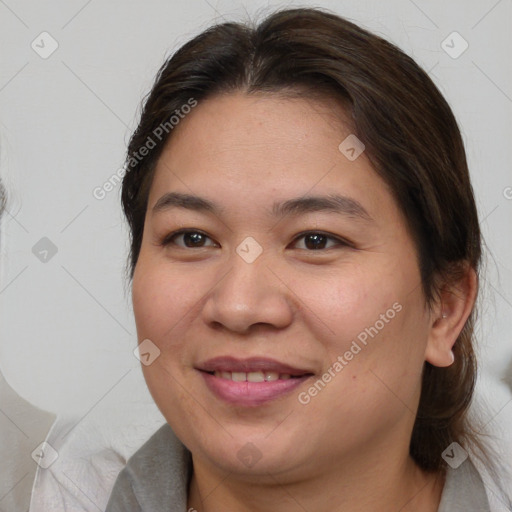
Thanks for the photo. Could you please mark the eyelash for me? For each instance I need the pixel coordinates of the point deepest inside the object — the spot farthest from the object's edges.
(168, 239)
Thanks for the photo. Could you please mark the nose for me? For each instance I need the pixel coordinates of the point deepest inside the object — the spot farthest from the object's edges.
(249, 294)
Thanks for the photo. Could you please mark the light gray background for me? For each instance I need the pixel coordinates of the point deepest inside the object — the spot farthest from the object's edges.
(67, 327)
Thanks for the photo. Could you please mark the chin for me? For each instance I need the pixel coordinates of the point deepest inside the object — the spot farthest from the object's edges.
(251, 455)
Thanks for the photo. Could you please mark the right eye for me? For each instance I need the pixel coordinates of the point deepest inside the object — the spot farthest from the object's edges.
(191, 238)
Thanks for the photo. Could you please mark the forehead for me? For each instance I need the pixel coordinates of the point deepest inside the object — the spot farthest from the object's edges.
(224, 120)
(265, 147)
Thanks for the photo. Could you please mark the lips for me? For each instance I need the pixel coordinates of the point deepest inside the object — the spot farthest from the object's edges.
(265, 376)
(250, 382)
(250, 365)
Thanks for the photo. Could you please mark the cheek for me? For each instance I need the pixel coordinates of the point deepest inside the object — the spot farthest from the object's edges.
(351, 301)
(372, 317)
(160, 307)
(160, 299)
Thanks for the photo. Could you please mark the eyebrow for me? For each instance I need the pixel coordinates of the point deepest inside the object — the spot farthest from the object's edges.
(332, 203)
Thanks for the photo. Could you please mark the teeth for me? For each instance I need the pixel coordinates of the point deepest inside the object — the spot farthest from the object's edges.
(253, 376)
(239, 376)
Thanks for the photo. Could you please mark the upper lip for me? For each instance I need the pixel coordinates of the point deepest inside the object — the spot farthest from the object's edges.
(252, 364)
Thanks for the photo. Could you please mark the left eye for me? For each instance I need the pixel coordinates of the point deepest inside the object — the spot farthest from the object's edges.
(317, 240)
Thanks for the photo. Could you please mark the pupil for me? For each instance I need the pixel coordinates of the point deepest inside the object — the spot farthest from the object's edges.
(318, 240)
(195, 238)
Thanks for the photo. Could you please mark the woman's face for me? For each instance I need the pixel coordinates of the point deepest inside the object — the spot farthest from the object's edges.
(291, 335)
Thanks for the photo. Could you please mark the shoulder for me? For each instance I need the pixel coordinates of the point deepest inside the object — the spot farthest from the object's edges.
(464, 490)
(154, 476)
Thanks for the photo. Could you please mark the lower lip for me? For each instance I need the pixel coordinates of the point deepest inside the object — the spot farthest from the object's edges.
(250, 394)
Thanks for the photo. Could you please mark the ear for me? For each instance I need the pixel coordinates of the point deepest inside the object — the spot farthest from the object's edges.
(448, 316)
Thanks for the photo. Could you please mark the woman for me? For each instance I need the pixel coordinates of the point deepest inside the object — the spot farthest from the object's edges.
(304, 261)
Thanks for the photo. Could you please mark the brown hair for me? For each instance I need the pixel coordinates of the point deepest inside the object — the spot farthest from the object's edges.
(411, 138)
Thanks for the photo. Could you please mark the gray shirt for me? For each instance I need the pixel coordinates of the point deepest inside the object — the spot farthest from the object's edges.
(156, 477)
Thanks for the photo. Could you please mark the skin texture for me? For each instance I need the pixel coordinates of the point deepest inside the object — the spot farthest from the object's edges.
(347, 448)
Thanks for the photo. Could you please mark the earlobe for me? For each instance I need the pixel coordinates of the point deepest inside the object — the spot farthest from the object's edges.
(449, 316)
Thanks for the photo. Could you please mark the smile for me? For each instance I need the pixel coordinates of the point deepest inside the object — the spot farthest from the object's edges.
(250, 382)
(253, 376)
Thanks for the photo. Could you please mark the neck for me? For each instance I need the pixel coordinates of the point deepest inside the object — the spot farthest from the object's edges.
(401, 485)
